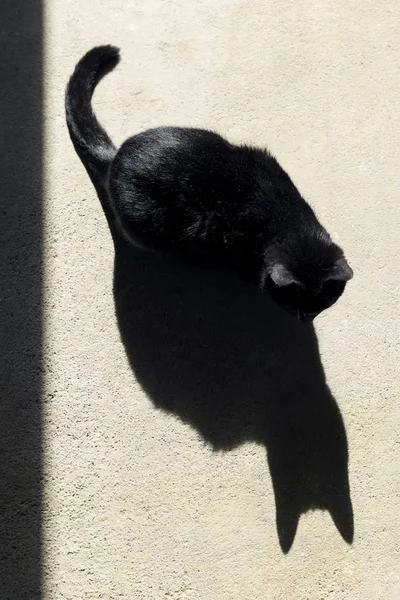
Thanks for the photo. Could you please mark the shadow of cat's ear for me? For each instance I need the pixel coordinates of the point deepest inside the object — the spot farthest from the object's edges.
(341, 511)
(291, 505)
(289, 511)
(287, 520)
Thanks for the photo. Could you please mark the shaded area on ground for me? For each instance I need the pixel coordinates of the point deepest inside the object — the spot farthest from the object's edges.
(20, 299)
(226, 360)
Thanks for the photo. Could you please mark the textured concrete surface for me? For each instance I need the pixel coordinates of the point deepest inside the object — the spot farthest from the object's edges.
(187, 424)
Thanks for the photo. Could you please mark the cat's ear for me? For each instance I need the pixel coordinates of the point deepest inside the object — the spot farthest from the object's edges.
(341, 271)
(281, 276)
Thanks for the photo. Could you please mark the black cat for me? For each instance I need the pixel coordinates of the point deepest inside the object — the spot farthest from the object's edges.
(192, 192)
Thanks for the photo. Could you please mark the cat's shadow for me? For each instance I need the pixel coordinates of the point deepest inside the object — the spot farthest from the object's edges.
(230, 363)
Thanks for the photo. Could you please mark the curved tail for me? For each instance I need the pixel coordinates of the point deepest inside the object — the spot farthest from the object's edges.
(91, 142)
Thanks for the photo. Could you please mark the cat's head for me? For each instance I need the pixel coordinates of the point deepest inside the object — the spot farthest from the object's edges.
(305, 273)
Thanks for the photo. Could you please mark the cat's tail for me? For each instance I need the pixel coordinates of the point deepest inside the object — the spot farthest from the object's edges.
(91, 142)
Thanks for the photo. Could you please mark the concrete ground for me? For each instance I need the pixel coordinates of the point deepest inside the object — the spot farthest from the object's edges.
(167, 432)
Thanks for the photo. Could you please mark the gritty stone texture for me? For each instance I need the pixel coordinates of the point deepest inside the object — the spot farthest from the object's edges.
(147, 504)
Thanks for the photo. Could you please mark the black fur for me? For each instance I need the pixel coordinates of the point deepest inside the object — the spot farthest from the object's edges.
(192, 192)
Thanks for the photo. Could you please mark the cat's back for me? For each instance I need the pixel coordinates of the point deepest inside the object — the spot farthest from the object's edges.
(178, 160)
(172, 147)
(177, 187)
